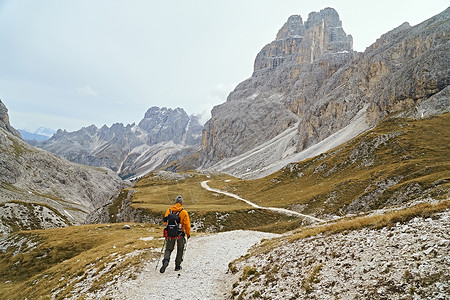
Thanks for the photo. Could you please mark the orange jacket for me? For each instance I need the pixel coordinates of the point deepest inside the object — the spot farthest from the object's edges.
(184, 217)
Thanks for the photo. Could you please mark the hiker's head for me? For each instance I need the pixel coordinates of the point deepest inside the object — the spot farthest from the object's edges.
(179, 199)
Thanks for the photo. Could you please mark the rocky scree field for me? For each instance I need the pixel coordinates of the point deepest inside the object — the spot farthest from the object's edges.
(401, 254)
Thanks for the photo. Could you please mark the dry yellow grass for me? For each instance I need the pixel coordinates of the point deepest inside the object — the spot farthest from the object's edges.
(215, 211)
(157, 194)
(354, 223)
(376, 221)
(57, 259)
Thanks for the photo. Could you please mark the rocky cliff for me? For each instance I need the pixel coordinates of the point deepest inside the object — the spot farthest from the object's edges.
(163, 135)
(309, 86)
(41, 190)
(4, 121)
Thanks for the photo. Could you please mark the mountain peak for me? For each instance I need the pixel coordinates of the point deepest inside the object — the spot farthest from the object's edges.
(45, 131)
(305, 42)
(327, 15)
(292, 28)
(155, 111)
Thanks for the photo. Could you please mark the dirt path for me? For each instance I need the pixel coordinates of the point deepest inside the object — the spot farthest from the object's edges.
(204, 269)
(205, 185)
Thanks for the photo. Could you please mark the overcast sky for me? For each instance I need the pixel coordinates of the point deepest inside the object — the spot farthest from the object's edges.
(72, 63)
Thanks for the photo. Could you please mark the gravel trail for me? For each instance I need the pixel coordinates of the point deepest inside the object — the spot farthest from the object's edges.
(204, 269)
(205, 185)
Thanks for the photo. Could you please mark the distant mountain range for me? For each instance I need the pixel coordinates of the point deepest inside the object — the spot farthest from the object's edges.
(162, 136)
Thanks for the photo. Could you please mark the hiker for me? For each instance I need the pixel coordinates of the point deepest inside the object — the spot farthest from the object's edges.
(178, 227)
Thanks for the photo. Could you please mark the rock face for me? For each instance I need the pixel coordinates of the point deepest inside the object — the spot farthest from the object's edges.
(4, 121)
(310, 80)
(41, 190)
(163, 135)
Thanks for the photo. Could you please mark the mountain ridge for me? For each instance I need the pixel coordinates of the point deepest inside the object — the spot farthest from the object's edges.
(162, 136)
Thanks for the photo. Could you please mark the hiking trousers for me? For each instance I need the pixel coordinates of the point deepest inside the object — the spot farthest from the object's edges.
(170, 245)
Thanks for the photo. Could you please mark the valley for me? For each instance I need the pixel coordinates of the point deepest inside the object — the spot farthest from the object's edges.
(325, 175)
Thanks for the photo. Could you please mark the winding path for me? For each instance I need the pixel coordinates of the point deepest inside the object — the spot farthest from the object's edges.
(205, 185)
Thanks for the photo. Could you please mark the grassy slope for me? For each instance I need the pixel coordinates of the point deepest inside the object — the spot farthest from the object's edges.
(215, 211)
(156, 194)
(398, 161)
(57, 259)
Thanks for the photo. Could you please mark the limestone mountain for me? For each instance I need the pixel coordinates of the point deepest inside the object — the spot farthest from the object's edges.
(41, 190)
(162, 136)
(310, 92)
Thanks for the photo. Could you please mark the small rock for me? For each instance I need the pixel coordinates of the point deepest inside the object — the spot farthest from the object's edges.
(126, 227)
(428, 251)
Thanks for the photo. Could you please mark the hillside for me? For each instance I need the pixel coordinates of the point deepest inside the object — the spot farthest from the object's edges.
(400, 254)
(398, 162)
(41, 190)
(70, 262)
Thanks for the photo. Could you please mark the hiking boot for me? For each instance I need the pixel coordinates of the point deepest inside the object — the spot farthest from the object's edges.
(177, 268)
(165, 263)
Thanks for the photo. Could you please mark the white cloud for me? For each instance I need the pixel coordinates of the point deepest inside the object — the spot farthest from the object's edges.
(86, 91)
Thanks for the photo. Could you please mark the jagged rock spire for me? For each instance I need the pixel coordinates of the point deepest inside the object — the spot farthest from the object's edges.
(305, 42)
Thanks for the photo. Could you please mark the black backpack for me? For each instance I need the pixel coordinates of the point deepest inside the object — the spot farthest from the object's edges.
(173, 224)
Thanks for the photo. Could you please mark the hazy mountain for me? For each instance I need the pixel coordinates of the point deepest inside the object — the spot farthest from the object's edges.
(162, 136)
(39, 135)
(45, 131)
(41, 190)
(310, 92)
